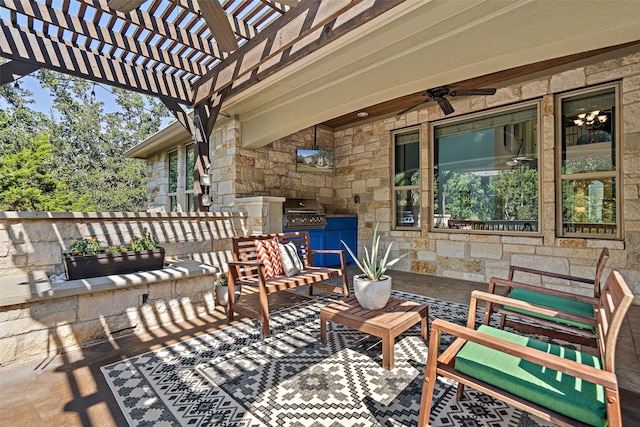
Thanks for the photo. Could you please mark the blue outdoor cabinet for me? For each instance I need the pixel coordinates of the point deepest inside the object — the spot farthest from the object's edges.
(338, 228)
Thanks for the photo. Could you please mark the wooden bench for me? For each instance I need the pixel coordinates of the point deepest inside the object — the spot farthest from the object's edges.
(246, 270)
(558, 384)
(573, 319)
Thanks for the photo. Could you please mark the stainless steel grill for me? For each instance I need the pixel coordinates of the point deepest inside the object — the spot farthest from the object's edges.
(303, 214)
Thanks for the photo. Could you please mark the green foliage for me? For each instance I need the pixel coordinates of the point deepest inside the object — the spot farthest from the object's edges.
(91, 245)
(369, 265)
(145, 243)
(84, 247)
(85, 162)
(517, 193)
(26, 183)
(222, 280)
(467, 197)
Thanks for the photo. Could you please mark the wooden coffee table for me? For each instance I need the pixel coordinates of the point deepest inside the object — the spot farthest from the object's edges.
(387, 323)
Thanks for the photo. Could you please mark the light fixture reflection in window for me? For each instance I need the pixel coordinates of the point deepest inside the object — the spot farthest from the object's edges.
(590, 118)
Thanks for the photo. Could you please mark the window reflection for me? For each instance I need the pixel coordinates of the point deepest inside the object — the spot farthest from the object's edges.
(486, 172)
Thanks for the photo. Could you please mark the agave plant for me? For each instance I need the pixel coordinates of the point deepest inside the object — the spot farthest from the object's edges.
(369, 265)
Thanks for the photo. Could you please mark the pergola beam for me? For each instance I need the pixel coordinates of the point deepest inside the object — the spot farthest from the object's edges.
(13, 70)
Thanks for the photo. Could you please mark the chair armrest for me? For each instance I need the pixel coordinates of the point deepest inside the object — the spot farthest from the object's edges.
(527, 270)
(502, 300)
(535, 288)
(327, 251)
(578, 370)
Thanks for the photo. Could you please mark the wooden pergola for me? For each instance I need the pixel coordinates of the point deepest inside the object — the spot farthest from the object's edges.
(191, 54)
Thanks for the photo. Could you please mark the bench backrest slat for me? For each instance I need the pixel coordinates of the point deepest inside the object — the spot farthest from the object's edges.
(244, 246)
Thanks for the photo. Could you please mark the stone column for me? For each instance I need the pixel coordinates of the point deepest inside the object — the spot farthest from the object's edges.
(264, 213)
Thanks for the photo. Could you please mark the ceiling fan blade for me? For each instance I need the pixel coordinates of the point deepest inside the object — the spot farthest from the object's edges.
(470, 92)
(445, 105)
(219, 24)
(125, 6)
(406, 110)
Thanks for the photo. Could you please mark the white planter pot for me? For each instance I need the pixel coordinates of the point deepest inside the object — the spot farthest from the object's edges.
(222, 294)
(372, 295)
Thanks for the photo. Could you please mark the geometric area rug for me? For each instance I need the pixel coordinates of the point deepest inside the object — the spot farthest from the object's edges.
(234, 377)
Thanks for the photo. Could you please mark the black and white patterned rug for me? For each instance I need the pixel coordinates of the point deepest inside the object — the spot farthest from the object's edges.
(234, 377)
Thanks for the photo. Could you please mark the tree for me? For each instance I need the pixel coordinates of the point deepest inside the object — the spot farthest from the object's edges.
(516, 192)
(465, 197)
(26, 183)
(86, 157)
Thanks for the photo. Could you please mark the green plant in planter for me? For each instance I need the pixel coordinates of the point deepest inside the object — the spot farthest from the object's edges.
(369, 265)
(116, 249)
(145, 243)
(222, 280)
(84, 247)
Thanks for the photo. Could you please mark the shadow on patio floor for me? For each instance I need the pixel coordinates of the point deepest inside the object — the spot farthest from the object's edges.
(70, 390)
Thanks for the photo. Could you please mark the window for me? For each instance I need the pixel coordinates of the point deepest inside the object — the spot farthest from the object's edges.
(588, 169)
(173, 181)
(190, 162)
(407, 179)
(485, 172)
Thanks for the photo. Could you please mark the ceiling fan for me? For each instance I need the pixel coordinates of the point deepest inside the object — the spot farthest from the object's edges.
(439, 93)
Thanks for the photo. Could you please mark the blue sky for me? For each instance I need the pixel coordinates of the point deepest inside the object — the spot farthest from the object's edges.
(43, 101)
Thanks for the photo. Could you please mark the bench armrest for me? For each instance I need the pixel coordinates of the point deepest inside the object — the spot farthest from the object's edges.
(578, 370)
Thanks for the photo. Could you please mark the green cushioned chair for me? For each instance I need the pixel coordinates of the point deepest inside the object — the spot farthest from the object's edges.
(558, 384)
(570, 316)
(549, 388)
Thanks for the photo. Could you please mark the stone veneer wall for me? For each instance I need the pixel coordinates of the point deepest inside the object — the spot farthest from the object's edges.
(363, 168)
(31, 246)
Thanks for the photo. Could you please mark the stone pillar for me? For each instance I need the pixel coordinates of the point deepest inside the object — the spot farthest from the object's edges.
(264, 213)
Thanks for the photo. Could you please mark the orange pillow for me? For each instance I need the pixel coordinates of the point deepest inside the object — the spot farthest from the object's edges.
(268, 254)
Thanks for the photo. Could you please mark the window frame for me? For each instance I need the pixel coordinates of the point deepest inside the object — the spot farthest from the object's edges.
(479, 115)
(615, 174)
(394, 189)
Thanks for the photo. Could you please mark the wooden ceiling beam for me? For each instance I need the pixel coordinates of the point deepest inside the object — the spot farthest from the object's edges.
(125, 6)
(219, 25)
(276, 40)
(13, 70)
(19, 43)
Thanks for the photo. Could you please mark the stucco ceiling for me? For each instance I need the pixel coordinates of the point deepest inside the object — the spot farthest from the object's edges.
(423, 44)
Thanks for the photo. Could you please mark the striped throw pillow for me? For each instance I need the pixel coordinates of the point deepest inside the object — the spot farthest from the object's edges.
(268, 253)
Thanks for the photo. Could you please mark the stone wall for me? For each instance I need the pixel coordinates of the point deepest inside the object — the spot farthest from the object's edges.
(61, 316)
(363, 168)
(362, 154)
(35, 241)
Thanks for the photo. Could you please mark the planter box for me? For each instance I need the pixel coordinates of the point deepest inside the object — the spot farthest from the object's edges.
(102, 264)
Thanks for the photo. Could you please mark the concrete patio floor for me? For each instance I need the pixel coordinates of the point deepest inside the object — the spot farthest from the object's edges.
(70, 390)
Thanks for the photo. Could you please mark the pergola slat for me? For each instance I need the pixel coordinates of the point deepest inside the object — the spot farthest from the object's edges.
(19, 43)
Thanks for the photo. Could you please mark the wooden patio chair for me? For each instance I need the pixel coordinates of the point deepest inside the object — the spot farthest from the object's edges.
(575, 320)
(557, 384)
